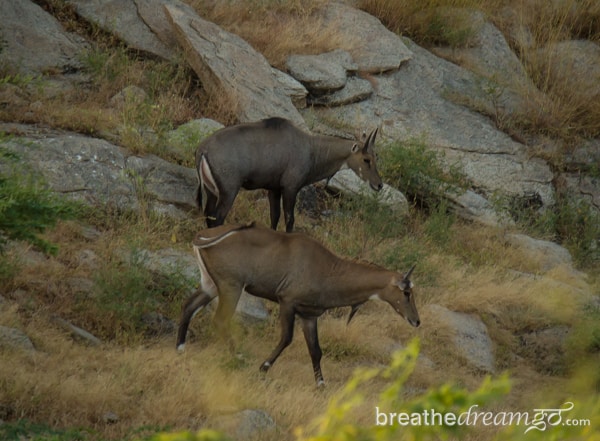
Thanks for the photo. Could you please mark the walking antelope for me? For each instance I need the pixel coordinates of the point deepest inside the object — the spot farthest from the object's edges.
(275, 155)
(294, 270)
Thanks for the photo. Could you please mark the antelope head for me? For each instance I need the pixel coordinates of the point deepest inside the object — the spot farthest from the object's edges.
(399, 294)
(363, 161)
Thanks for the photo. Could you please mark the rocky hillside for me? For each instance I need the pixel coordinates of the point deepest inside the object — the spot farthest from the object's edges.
(493, 297)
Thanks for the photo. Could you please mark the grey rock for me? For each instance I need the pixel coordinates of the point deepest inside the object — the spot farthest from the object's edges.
(584, 188)
(372, 46)
(491, 57)
(224, 62)
(99, 173)
(356, 89)
(169, 261)
(157, 325)
(321, 73)
(163, 181)
(15, 339)
(129, 95)
(183, 141)
(346, 181)
(247, 424)
(77, 332)
(548, 254)
(292, 87)
(469, 336)
(34, 42)
(411, 103)
(474, 207)
(546, 349)
(126, 19)
(575, 64)
(252, 309)
(110, 418)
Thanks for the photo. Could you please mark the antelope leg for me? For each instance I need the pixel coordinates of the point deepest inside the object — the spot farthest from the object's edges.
(311, 335)
(289, 202)
(287, 316)
(192, 306)
(275, 206)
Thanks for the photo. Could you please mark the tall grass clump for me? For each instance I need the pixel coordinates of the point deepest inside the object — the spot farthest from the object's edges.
(430, 22)
(125, 291)
(419, 172)
(258, 21)
(572, 222)
(155, 96)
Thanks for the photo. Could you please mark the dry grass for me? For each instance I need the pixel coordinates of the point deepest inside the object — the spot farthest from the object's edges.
(66, 384)
(565, 110)
(427, 22)
(275, 29)
(144, 381)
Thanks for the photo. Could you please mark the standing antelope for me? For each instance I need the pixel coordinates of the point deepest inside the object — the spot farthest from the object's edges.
(294, 270)
(275, 155)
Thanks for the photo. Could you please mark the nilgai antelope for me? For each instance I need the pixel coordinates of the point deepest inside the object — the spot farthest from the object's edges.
(275, 155)
(294, 270)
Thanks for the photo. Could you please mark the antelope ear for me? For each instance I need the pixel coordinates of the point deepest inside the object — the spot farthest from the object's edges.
(356, 148)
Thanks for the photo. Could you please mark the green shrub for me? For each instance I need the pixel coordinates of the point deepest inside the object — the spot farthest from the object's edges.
(418, 172)
(27, 207)
(572, 222)
(125, 291)
(430, 22)
(27, 430)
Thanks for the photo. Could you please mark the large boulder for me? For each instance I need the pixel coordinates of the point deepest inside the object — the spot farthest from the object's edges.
(226, 63)
(141, 24)
(490, 56)
(548, 255)
(468, 335)
(15, 339)
(373, 47)
(99, 173)
(33, 42)
(411, 103)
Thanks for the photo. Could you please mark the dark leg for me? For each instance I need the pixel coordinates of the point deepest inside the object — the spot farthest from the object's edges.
(289, 202)
(309, 326)
(224, 204)
(199, 196)
(275, 206)
(286, 318)
(210, 210)
(192, 306)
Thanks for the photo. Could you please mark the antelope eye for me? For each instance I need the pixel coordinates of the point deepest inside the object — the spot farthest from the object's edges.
(367, 161)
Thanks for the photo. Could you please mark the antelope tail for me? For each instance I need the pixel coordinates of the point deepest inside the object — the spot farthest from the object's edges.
(206, 183)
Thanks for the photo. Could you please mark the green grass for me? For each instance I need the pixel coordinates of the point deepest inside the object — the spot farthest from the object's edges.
(27, 207)
(418, 172)
(24, 429)
(126, 290)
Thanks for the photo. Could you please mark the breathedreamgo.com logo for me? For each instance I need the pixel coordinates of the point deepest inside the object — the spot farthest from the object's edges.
(539, 419)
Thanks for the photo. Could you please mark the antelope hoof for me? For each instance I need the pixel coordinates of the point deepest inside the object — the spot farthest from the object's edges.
(265, 366)
(321, 384)
(181, 348)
